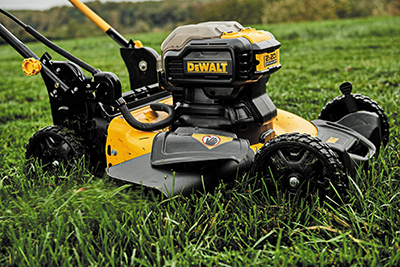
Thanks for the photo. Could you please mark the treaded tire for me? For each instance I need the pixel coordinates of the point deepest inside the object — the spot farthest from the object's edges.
(336, 109)
(53, 146)
(300, 165)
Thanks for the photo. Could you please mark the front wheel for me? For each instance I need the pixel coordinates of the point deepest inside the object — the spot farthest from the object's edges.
(55, 148)
(300, 165)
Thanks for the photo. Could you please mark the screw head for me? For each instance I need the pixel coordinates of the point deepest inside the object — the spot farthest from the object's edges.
(143, 65)
(55, 163)
(294, 182)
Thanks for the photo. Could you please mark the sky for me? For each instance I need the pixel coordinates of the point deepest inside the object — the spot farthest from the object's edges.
(43, 4)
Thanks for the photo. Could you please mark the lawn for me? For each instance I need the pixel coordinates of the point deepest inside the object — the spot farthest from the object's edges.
(85, 220)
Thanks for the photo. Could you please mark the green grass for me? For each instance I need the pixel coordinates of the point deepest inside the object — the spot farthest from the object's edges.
(85, 220)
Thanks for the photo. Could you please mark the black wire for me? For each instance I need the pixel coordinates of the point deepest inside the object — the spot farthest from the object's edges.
(147, 127)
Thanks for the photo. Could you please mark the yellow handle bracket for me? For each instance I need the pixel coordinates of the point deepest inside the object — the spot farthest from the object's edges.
(31, 66)
(138, 43)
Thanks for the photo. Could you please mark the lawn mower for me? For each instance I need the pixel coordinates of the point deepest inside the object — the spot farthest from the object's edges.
(196, 115)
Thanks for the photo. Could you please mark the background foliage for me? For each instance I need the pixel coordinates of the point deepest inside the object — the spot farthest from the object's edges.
(128, 17)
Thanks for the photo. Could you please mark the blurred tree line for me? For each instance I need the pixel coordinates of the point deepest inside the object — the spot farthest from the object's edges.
(127, 17)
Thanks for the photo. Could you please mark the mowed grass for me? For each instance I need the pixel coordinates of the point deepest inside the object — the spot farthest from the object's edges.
(84, 220)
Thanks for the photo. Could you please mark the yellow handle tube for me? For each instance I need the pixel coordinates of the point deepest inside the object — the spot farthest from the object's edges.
(91, 15)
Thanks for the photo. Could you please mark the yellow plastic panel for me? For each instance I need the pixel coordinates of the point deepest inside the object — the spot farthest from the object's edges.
(287, 122)
(267, 60)
(253, 35)
(124, 142)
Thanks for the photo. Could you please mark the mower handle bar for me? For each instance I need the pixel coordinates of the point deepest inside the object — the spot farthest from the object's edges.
(46, 42)
(25, 52)
(102, 24)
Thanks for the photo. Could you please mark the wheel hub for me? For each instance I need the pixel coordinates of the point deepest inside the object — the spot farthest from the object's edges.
(294, 181)
(55, 163)
(298, 164)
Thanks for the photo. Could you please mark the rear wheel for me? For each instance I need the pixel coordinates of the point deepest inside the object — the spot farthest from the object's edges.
(336, 109)
(300, 165)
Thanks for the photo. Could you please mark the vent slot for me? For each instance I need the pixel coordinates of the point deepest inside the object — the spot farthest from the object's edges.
(245, 65)
(175, 68)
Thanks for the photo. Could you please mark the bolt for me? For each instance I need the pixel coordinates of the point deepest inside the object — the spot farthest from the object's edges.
(58, 70)
(55, 163)
(294, 182)
(75, 90)
(143, 65)
(114, 152)
(56, 85)
(54, 92)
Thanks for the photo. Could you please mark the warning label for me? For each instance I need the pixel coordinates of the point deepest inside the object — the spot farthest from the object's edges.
(211, 141)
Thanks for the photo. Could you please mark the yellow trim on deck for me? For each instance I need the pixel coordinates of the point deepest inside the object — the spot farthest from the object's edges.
(286, 122)
(124, 142)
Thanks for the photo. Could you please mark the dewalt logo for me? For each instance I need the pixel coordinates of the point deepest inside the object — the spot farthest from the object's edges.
(207, 66)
